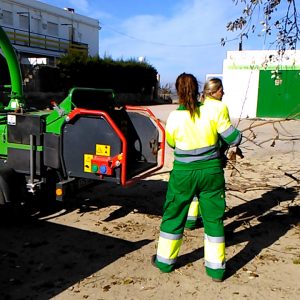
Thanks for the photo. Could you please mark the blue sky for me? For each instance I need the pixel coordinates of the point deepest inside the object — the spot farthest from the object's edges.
(174, 36)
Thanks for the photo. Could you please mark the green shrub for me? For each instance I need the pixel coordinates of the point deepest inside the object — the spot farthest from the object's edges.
(123, 76)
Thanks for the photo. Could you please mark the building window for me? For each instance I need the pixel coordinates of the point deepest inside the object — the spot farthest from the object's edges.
(52, 28)
(23, 22)
(7, 17)
(36, 25)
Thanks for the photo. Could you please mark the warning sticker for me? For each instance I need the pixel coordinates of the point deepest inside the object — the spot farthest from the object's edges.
(11, 120)
(88, 163)
(103, 150)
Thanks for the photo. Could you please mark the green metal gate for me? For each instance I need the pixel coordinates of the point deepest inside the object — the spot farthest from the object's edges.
(279, 94)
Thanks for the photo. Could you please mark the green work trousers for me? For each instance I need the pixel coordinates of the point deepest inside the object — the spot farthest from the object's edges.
(208, 185)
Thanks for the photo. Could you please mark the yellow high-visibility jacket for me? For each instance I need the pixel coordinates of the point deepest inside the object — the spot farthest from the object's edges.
(196, 142)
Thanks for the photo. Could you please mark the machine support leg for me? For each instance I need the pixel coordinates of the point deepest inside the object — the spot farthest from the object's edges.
(32, 158)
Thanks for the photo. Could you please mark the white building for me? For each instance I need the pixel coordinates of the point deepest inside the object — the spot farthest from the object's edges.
(262, 84)
(38, 30)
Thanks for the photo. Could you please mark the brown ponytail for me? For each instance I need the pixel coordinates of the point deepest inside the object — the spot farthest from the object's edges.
(188, 92)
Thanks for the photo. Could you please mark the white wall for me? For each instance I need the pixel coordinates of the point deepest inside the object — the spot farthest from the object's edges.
(241, 90)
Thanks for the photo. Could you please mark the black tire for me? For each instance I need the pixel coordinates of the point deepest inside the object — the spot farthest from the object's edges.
(13, 195)
(10, 186)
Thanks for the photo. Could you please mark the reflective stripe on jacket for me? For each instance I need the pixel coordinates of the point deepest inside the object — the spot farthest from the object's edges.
(198, 139)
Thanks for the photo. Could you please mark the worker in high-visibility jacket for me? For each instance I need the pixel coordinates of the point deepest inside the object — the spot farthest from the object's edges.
(194, 131)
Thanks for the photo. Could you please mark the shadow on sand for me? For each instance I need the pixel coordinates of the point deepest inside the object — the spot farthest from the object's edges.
(145, 197)
(40, 259)
(273, 225)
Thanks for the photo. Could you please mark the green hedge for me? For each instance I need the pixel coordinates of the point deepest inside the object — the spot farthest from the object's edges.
(49, 79)
(122, 76)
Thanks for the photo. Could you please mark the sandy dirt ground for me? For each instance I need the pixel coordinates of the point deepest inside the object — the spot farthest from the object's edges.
(98, 246)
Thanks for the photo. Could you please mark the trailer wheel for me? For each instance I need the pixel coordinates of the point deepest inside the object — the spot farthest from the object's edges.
(12, 195)
(7, 187)
(4, 191)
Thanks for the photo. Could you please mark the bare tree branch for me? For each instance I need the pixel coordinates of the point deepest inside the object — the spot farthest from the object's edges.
(286, 28)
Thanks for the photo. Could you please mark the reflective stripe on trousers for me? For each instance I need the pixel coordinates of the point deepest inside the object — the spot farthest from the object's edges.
(168, 247)
(214, 252)
(193, 213)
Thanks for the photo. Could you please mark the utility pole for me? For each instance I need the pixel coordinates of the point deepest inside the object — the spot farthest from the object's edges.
(241, 41)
